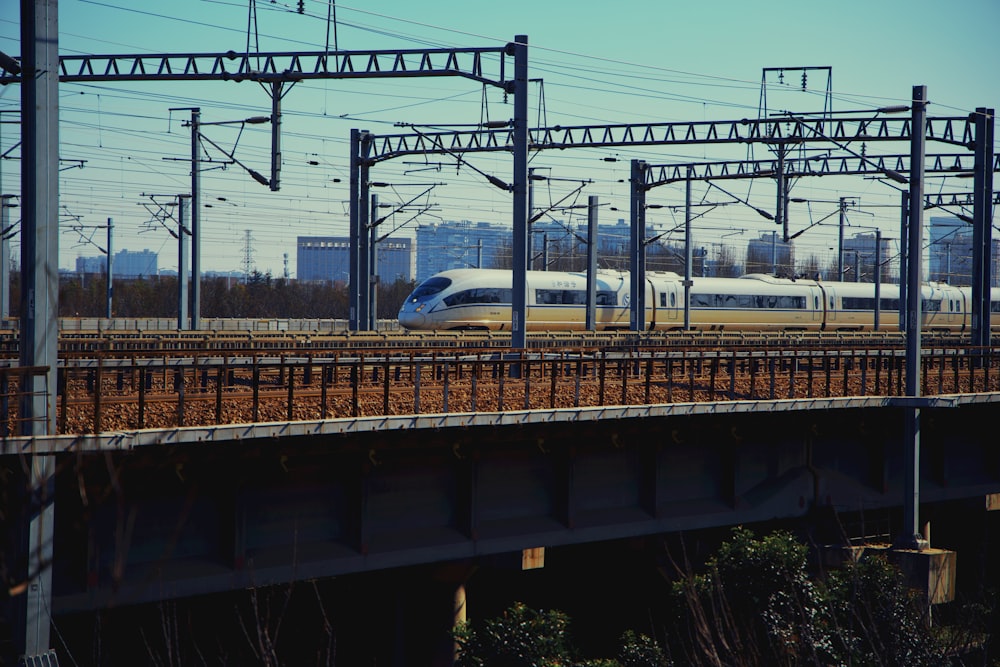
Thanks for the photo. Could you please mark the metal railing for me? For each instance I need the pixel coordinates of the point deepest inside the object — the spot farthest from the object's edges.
(116, 394)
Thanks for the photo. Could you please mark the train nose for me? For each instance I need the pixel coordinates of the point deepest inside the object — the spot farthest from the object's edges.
(410, 319)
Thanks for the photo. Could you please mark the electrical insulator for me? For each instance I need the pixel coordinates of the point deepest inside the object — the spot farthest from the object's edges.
(804, 75)
(302, 6)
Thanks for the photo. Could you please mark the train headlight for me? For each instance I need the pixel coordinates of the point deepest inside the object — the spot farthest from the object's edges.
(419, 308)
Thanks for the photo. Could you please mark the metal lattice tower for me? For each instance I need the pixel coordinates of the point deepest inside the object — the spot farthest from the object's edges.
(247, 255)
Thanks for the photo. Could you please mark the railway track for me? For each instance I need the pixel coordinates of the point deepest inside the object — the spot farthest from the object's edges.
(155, 343)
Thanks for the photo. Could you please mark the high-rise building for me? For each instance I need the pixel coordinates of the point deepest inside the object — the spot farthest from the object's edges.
(950, 252)
(327, 258)
(859, 259)
(135, 264)
(127, 264)
(461, 245)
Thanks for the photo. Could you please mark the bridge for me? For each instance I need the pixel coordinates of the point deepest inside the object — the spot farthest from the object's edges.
(152, 514)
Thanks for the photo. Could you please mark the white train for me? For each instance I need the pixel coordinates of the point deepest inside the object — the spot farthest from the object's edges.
(480, 299)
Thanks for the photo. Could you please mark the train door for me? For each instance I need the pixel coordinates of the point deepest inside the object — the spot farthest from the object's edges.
(815, 305)
(933, 308)
(670, 301)
(830, 305)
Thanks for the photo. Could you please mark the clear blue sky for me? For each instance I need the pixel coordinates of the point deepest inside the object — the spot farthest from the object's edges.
(641, 61)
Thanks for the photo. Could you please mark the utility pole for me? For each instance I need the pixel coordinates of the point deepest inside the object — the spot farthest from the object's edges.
(910, 536)
(840, 239)
(637, 243)
(182, 271)
(591, 323)
(195, 222)
(373, 265)
(111, 254)
(688, 282)
(39, 311)
(5, 264)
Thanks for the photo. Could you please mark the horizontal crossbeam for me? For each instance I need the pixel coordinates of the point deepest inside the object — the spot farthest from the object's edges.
(786, 132)
(487, 65)
(826, 165)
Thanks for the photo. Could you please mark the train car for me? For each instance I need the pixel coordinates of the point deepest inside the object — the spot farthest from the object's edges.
(754, 301)
(480, 299)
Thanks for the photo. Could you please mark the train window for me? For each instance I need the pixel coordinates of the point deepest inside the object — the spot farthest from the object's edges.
(573, 297)
(429, 287)
(815, 303)
(702, 300)
(931, 305)
(889, 304)
(858, 303)
(479, 295)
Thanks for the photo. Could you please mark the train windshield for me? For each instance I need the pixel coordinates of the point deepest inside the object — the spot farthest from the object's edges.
(429, 287)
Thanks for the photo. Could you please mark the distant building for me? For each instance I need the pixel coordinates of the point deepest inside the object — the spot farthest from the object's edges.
(327, 258)
(127, 264)
(770, 254)
(951, 251)
(91, 264)
(461, 245)
(135, 264)
(466, 244)
(859, 259)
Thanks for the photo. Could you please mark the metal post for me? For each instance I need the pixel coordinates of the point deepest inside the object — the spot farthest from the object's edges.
(275, 181)
(774, 253)
(780, 209)
(111, 255)
(687, 250)
(182, 270)
(910, 536)
(5, 267)
(519, 262)
(904, 236)
(591, 324)
(840, 239)
(878, 277)
(354, 232)
(479, 254)
(39, 298)
(531, 214)
(545, 251)
(982, 227)
(40, 220)
(373, 266)
(363, 277)
(637, 247)
(195, 223)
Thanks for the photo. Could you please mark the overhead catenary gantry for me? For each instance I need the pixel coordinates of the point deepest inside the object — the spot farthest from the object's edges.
(273, 71)
(832, 132)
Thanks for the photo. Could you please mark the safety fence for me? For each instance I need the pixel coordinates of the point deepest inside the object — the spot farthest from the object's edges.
(104, 395)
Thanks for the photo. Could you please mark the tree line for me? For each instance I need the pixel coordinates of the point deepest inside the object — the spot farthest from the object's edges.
(259, 296)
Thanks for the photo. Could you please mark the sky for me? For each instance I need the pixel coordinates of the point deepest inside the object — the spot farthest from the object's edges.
(124, 151)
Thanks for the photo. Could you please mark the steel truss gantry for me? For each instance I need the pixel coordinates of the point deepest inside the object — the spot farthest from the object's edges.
(273, 70)
(784, 132)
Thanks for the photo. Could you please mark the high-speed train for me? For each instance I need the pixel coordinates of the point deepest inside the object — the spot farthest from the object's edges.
(480, 299)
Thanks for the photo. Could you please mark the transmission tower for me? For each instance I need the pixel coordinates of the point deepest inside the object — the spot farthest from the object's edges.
(247, 255)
